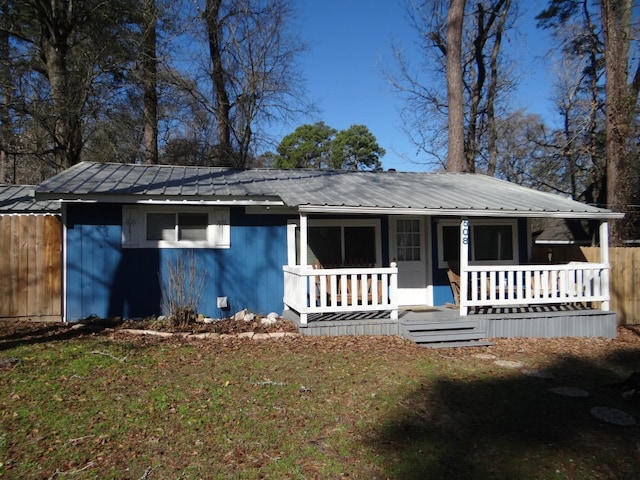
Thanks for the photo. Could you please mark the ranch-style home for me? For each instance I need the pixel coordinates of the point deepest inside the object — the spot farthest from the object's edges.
(432, 256)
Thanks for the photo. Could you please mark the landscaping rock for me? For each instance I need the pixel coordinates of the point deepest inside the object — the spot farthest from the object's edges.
(244, 315)
(613, 416)
(508, 364)
(570, 392)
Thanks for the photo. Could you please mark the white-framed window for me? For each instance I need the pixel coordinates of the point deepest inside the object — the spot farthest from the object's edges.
(175, 227)
(493, 242)
(338, 243)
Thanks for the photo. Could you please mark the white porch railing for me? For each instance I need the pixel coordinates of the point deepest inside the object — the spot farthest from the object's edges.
(309, 290)
(576, 282)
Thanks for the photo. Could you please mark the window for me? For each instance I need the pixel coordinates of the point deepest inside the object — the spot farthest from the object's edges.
(492, 241)
(175, 227)
(408, 240)
(337, 243)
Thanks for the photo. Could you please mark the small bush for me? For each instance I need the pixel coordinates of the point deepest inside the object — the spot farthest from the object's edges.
(181, 290)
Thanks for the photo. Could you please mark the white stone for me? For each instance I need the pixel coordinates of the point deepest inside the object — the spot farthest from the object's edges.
(508, 364)
(268, 321)
(245, 315)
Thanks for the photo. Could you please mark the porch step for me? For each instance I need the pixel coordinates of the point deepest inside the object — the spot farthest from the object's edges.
(475, 343)
(444, 334)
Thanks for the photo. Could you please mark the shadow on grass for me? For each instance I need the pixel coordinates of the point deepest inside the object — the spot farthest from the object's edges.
(507, 425)
(16, 334)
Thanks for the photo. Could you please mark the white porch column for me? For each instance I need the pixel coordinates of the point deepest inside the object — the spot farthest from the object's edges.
(604, 259)
(464, 263)
(304, 261)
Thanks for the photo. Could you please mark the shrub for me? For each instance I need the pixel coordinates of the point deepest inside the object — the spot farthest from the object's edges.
(181, 289)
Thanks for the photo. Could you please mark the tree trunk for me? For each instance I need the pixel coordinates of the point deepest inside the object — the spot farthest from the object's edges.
(620, 105)
(5, 95)
(493, 92)
(57, 23)
(223, 105)
(149, 82)
(455, 154)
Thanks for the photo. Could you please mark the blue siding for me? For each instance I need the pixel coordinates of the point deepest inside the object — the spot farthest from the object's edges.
(106, 280)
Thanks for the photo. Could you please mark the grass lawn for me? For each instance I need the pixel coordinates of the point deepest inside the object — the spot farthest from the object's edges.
(107, 405)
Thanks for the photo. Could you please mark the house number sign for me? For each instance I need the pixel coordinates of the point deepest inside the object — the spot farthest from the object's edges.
(465, 232)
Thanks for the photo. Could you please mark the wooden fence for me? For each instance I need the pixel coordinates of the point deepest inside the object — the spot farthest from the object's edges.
(31, 267)
(624, 276)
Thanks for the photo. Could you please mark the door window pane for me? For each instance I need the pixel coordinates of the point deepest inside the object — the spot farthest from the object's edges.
(161, 226)
(192, 226)
(408, 240)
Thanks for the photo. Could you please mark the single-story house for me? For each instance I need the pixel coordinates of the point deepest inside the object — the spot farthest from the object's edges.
(367, 250)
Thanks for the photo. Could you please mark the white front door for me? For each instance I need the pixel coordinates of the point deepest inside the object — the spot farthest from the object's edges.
(409, 250)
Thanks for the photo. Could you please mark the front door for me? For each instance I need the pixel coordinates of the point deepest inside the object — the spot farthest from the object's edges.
(409, 250)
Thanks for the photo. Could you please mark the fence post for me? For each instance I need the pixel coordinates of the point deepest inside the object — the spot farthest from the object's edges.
(604, 259)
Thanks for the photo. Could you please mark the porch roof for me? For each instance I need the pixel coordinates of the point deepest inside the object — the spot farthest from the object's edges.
(321, 191)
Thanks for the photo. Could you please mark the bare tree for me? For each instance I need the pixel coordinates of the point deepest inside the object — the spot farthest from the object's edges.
(453, 52)
(252, 70)
(483, 76)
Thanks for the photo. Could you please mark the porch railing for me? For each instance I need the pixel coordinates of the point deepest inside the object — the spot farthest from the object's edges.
(576, 282)
(310, 290)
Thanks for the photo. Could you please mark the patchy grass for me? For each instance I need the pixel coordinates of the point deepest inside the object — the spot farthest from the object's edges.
(106, 405)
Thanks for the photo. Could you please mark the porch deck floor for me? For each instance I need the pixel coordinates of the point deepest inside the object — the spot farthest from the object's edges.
(442, 314)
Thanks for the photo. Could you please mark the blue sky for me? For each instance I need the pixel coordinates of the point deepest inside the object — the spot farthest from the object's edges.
(349, 39)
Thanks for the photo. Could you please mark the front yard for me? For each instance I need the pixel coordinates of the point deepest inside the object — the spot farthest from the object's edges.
(102, 403)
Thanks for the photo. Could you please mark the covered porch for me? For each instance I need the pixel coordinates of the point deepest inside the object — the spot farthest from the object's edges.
(524, 299)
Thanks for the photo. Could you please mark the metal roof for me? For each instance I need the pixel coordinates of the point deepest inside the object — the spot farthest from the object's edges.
(314, 190)
(20, 199)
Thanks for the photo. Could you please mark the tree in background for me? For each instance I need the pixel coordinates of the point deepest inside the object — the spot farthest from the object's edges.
(579, 98)
(307, 147)
(452, 50)
(597, 142)
(621, 110)
(149, 77)
(356, 148)
(320, 146)
(67, 58)
(429, 107)
(252, 70)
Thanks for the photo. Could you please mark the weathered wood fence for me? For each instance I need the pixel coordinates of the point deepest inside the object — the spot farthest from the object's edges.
(31, 267)
(624, 276)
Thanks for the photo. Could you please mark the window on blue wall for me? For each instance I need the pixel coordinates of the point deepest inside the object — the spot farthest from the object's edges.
(492, 242)
(175, 227)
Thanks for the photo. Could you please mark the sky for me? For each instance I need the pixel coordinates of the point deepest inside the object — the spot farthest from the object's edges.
(349, 41)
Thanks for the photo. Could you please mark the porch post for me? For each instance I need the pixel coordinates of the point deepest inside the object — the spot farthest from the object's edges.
(464, 262)
(604, 259)
(304, 261)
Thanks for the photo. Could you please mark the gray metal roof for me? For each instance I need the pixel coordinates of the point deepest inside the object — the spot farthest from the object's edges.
(20, 199)
(314, 190)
